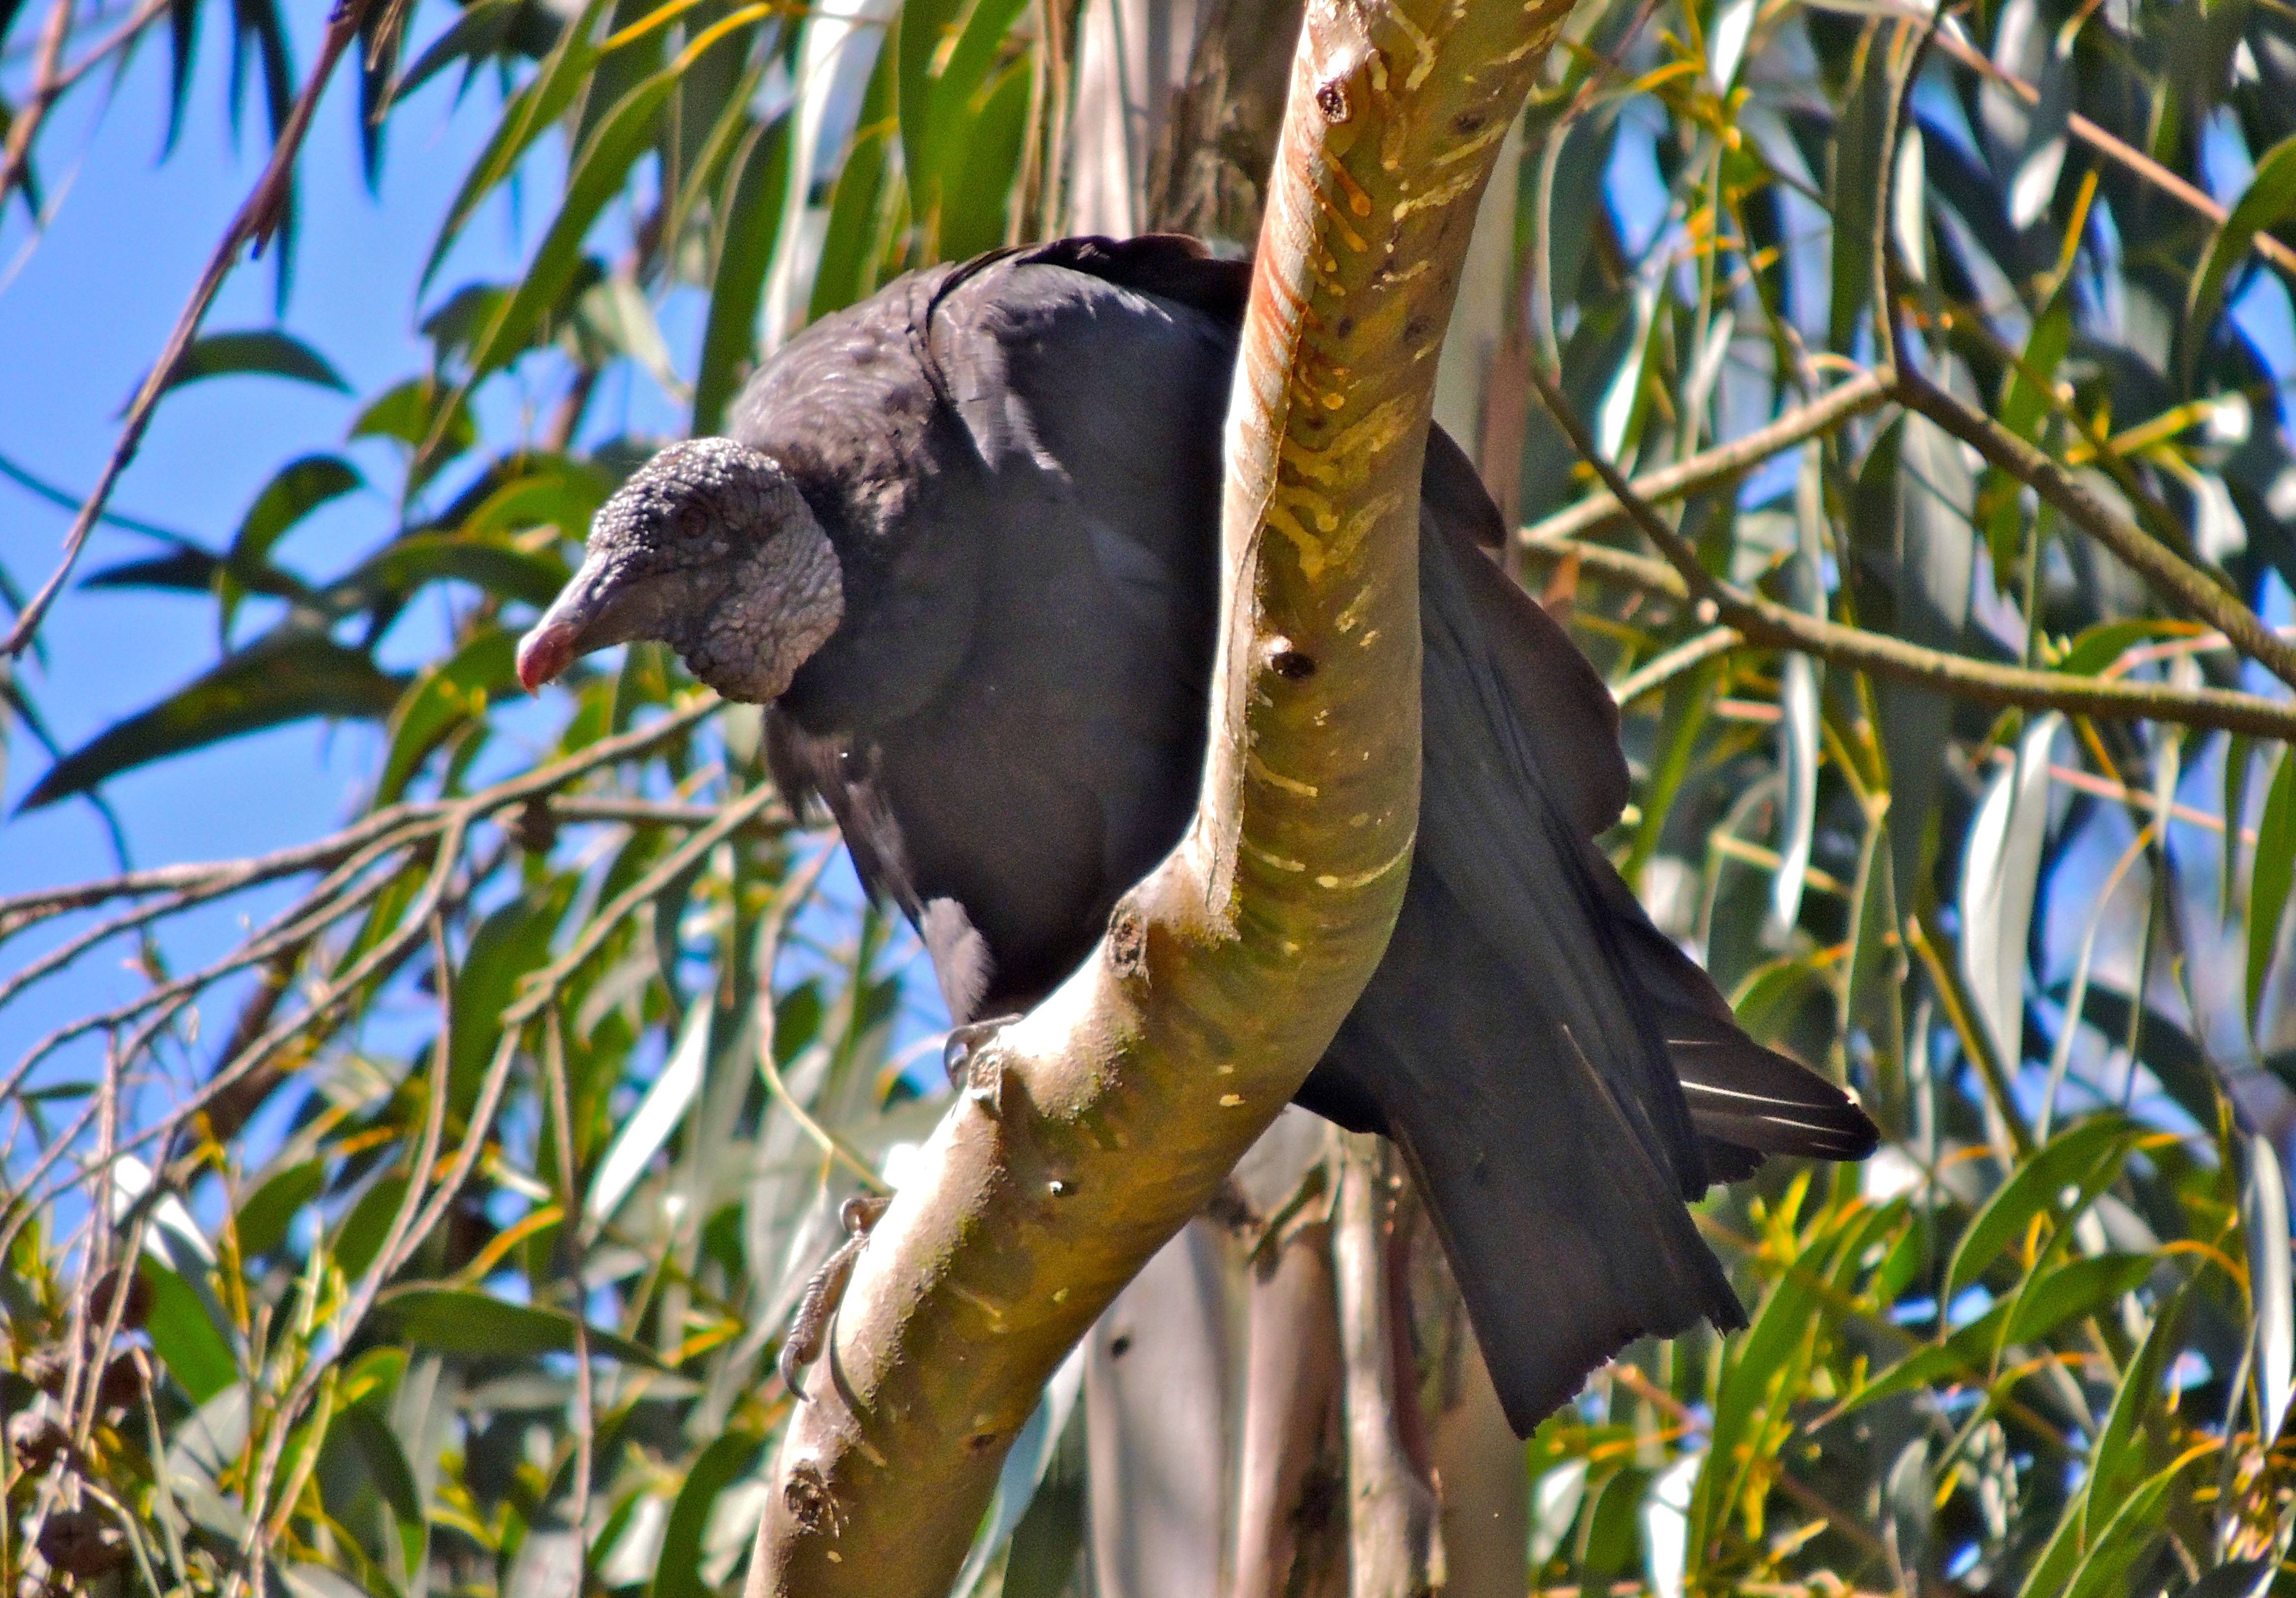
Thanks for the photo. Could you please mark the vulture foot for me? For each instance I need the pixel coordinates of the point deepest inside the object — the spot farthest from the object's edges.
(973, 1068)
(808, 1332)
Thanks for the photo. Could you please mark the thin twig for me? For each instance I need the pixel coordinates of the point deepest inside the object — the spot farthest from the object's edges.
(21, 911)
(257, 218)
(1774, 626)
(1674, 662)
(1598, 512)
(2190, 587)
(16, 155)
(143, 16)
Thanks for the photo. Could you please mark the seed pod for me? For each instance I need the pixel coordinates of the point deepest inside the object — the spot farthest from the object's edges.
(132, 1314)
(79, 1542)
(37, 1438)
(121, 1384)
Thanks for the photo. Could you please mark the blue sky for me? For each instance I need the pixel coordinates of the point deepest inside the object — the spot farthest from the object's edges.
(83, 308)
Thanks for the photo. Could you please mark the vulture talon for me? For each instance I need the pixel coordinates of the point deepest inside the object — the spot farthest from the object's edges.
(808, 1331)
(973, 1069)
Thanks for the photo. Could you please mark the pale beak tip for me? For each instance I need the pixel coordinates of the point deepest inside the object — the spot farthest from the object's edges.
(545, 652)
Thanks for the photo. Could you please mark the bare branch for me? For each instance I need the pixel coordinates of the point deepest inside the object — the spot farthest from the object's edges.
(254, 223)
(2155, 560)
(1766, 624)
(1599, 513)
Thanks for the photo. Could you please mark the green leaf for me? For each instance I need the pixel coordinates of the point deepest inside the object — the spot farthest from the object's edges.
(487, 28)
(2264, 1225)
(2072, 1160)
(448, 695)
(265, 1215)
(919, 28)
(286, 677)
(677, 1568)
(598, 174)
(2136, 1526)
(533, 109)
(300, 487)
(850, 247)
(2268, 200)
(759, 184)
(459, 1321)
(2043, 158)
(2072, 1290)
(512, 941)
(2124, 1451)
(2000, 874)
(2267, 888)
(2100, 645)
(412, 414)
(259, 352)
(1859, 180)
(975, 199)
(406, 565)
(185, 1339)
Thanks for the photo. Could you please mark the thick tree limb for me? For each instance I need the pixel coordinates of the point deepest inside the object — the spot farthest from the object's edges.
(1093, 1129)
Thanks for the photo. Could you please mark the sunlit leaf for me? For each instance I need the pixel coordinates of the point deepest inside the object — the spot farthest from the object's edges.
(292, 676)
(446, 696)
(2274, 872)
(453, 1321)
(2072, 1161)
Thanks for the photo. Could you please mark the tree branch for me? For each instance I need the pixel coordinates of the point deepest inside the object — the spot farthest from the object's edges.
(1599, 513)
(1766, 624)
(2155, 560)
(256, 219)
(1093, 1129)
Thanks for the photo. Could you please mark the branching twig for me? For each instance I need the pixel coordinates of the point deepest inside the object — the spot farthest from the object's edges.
(1769, 625)
(1710, 468)
(254, 223)
(47, 84)
(2161, 565)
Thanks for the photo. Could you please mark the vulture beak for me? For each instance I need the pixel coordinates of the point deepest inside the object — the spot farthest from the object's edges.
(598, 608)
(544, 652)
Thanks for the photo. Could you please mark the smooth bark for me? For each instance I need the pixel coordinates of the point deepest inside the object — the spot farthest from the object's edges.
(1094, 1128)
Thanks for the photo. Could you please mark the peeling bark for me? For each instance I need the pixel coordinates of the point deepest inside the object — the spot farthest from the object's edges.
(1094, 1127)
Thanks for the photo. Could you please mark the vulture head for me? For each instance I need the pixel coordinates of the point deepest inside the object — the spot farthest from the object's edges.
(708, 548)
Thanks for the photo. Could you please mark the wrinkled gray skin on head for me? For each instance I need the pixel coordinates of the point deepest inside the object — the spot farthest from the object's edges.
(708, 548)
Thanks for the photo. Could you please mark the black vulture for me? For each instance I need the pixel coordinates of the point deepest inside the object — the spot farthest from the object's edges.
(964, 541)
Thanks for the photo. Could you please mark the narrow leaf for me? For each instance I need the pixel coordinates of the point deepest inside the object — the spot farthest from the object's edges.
(658, 1115)
(2072, 1160)
(265, 352)
(2268, 200)
(2267, 888)
(2264, 1220)
(2000, 872)
(279, 680)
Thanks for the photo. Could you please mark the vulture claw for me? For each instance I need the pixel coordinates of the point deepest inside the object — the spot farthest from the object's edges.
(972, 1068)
(808, 1331)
